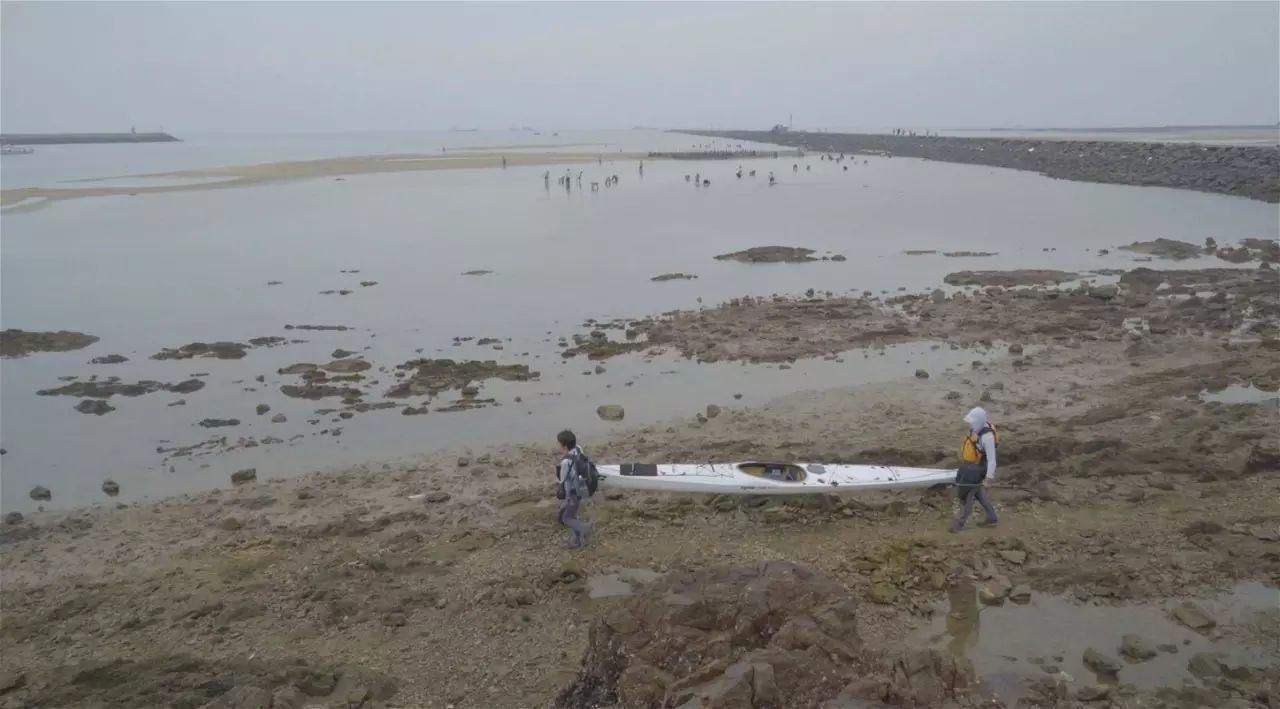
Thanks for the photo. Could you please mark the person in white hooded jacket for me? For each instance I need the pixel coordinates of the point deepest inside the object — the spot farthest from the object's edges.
(978, 454)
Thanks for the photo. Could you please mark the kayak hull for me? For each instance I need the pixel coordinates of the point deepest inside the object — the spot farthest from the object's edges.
(766, 478)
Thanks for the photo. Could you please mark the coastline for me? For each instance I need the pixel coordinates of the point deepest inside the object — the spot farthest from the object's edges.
(1243, 171)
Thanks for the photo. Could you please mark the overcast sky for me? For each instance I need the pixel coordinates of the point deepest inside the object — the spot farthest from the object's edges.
(313, 66)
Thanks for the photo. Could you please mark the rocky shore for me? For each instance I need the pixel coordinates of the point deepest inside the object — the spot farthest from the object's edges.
(438, 582)
(1245, 171)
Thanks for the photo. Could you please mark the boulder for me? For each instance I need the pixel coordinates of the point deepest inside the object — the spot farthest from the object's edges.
(1101, 663)
(1193, 616)
(40, 493)
(111, 487)
(262, 409)
(610, 412)
(1136, 649)
(279, 418)
(241, 477)
(921, 374)
(712, 411)
(13, 518)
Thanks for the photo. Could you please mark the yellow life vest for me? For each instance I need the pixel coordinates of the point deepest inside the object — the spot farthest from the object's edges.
(971, 450)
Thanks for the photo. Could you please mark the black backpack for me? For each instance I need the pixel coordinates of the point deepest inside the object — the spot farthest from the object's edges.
(587, 472)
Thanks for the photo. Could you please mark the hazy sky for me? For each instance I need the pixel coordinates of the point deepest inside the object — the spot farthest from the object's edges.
(318, 66)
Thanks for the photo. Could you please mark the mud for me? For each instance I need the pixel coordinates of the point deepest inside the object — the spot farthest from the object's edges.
(20, 343)
(770, 254)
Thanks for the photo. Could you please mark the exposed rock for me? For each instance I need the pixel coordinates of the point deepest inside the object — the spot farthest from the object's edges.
(477, 272)
(1135, 648)
(97, 407)
(366, 284)
(770, 254)
(437, 497)
(839, 258)
(20, 343)
(1193, 616)
(262, 409)
(186, 386)
(1020, 277)
(1104, 292)
(337, 328)
(921, 374)
(1100, 663)
(298, 368)
(319, 391)
(279, 418)
(104, 389)
(968, 254)
(13, 517)
(428, 377)
(219, 350)
(248, 475)
(610, 412)
(340, 353)
(346, 366)
(1262, 458)
(40, 493)
(1020, 593)
(1165, 248)
(1205, 665)
(217, 423)
(111, 487)
(712, 411)
(1014, 556)
(919, 252)
(109, 359)
(674, 277)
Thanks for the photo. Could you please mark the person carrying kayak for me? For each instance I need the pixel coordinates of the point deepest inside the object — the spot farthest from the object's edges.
(977, 469)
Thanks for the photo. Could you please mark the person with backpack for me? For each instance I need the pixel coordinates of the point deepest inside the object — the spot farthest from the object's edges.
(577, 478)
(977, 469)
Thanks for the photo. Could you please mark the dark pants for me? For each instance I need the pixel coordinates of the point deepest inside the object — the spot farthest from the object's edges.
(569, 518)
(970, 495)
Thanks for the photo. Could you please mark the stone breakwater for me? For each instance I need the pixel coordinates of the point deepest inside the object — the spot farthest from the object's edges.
(1243, 171)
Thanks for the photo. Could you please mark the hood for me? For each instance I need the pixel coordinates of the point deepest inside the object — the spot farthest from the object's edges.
(976, 418)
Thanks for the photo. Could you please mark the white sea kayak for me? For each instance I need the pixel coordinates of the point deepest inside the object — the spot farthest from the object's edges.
(761, 478)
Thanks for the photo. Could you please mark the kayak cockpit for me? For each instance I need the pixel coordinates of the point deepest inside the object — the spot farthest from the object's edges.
(781, 472)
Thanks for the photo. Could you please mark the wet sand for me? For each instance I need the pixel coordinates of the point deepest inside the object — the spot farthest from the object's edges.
(1117, 485)
(247, 175)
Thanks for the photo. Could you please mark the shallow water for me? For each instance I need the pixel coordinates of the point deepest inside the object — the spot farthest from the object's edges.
(1237, 393)
(1049, 635)
(620, 583)
(156, 271)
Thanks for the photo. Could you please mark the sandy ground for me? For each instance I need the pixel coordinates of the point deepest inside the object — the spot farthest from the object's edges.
(246, 175)
(1117, 483)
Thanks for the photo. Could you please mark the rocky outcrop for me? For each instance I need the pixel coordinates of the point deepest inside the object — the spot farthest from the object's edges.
(1242, 170)
(773, 635)
(20, 343)
(770, 254)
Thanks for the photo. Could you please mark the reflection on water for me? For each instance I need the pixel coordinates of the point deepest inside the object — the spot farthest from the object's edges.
(1050, 634)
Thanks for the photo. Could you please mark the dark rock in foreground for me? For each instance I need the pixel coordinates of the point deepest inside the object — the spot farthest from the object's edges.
(20, 343)
(777, 634)
(1245, 171)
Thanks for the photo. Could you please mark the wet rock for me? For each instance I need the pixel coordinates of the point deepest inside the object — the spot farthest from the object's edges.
(298, 368)
(428, 377)
(1205, 665)
(368, 284)
(20, 343)
(1014, 556)
(109, 359)
(186, 386)
(1165, 248)
(1104, 292)
(111, 487)
(40, 493)
(1135, 648)
(337, 328)
(279, 418)
(921, 374)
(1193, 616)
(673, 277)
(712, 411)
(770, 254)
(314, 391)
(1015, 349)
(1093, 693)
(1021, 277)
(710, 643)
(104, 389)
(1262, 458)
(437, 497)
(347, 366)
(241, 477)
(218, 423)
(883, 593)
(13, 517)
(1101, 663)
(839, 257)
(230, 524)
(969, 254)
(97, 407)
(610, 412)
(412, 411)
(1020, 593)
(1170, 648)
(218, 350)
(179, 402)
(262, 409)
(477, 272)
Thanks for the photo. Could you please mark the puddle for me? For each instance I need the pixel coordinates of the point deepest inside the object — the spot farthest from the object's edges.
(1048, 636)
(1237, 393)
(620, 583)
